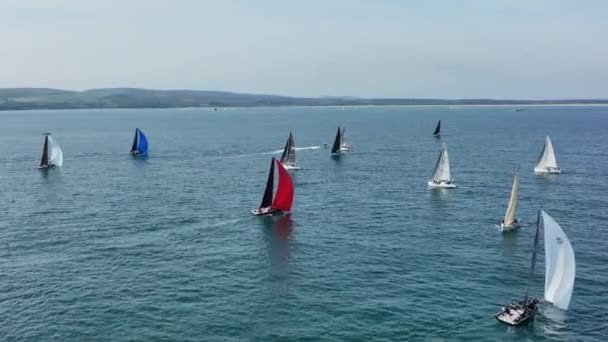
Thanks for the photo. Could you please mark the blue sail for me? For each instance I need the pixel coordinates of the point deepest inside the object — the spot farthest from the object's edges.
(142, 145)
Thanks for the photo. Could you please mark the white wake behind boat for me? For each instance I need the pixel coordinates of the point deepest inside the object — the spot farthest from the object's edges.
(510, 222)
(560, 269)
(547, 162)
(442, 178)
(52, 155)
(288, 158)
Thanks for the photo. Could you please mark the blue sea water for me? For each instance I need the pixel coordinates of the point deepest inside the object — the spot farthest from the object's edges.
(111, 248)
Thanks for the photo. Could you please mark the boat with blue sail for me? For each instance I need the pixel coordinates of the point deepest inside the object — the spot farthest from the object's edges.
(140, 143)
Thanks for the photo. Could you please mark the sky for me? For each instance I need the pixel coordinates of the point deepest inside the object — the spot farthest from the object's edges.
(524, 49)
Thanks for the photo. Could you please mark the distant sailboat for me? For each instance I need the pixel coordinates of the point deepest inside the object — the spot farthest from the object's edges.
(510, 222)
(437, 129)
(140, 143)
(288, 158)
(340, 145)
(52, 155)
(560, 269)
(285, 193)
(442, 177)
(547, 162)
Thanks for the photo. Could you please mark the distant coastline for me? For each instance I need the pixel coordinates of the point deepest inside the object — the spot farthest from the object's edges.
(44, 98)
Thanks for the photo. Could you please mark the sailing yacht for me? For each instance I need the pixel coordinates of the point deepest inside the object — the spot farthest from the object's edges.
(442, 179)
(283, 199)
(140, 143)
(288, 158)
(560, 269)
(546, 161)
(340, 145)
(437, 131)
(510, 222)
(52, 155)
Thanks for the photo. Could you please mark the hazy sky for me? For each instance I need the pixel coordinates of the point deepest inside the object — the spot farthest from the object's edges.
(391, 48)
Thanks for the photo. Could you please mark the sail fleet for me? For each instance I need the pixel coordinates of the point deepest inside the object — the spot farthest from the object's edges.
(559, 255)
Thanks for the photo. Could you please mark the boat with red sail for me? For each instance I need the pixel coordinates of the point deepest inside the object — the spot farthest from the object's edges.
(283, 200)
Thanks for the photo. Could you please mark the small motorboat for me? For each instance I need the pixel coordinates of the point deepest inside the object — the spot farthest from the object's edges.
(283, 200)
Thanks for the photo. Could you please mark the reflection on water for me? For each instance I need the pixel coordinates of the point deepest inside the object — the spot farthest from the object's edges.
(277, 234)
(509, 242)
(553, 322)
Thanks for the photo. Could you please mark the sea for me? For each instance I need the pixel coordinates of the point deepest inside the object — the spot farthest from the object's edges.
(114, 248)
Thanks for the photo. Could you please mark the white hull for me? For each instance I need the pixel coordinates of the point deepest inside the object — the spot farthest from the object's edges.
(553, 171)
(504, 228)
(289, 167)
(441, 185)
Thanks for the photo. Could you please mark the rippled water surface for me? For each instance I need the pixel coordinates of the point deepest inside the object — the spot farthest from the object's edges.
(111, 248)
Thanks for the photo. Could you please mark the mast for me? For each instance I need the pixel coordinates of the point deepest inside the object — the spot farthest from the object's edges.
(134, 146)
(267, 199)
(45, 151)
(437, 129)
(533, 257)
(337, 141)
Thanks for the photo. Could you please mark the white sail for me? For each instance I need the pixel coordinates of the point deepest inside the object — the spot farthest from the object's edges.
(510, 214)
(442, 168)
(547, 158)
(559, 264)
(55, 153)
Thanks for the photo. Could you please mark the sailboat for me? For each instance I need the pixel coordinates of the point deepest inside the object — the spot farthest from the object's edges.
(283, 199)
(560, 269)
(52, 155)
(288, 158)
(140, 143)
(510, 222)
(437, 129)
(546, 161)
(340, 145)
(441, 175)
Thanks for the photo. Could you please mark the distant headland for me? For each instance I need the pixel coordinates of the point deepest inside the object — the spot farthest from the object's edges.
(45, 98)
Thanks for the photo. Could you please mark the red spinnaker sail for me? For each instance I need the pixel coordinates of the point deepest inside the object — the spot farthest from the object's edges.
(284, 197)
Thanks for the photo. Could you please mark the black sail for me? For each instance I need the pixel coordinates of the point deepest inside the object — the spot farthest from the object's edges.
(286, 150)
(291, 152)
(267, 200)
(534, 249)
(337, 141)
(45, 152)
(134, 146)
(438, 128)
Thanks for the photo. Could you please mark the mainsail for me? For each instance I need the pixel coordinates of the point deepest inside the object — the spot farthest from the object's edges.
(56, 154)
(547, 157)
(289, 152)
(442, 168)
(559, 264)
(337, 141)
(44, 161)
(140, 142)
(267, 199)
(284, 197)
(437, 129)
(510, 214)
